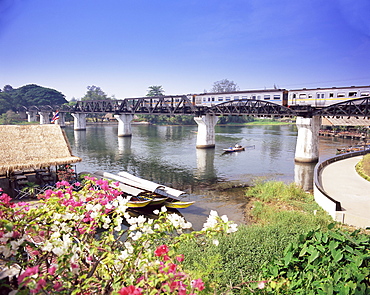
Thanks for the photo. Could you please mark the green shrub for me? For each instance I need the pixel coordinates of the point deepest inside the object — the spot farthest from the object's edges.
(239, 257)
(331, 262)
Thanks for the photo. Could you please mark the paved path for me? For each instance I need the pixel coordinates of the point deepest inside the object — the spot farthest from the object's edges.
(341, 182)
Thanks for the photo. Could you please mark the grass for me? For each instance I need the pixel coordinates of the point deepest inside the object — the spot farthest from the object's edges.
(268, 122)
(280, 214)
(363, 167)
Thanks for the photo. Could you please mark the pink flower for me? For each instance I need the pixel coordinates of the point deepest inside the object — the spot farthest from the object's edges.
(261, 284)
(180, 258)
(57, 286)
(130, 290)
(197, 284)
(161, 250)
(52, 270)
(27, 273)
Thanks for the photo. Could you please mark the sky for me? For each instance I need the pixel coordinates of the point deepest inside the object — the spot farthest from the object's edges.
(125, 46)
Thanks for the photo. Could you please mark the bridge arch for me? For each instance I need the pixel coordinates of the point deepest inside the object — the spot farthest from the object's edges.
(359, 107)
(251, 107)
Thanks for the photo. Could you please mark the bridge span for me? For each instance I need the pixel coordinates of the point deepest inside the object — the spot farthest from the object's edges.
(308, 118)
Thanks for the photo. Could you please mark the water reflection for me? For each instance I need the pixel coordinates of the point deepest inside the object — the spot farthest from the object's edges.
(205, 164)
(79, 138)
(167, 154)
(303, 175)
(124, 145)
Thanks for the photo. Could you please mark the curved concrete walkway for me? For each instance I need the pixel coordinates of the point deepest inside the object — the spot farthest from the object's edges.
(341, 182)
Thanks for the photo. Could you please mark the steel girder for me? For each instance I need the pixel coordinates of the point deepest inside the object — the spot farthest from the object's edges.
(179, 105)
(250, 107)
(352, 108)
(162, 105)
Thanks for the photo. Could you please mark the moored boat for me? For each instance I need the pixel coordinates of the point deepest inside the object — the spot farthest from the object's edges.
(178, 204)
(137, 203)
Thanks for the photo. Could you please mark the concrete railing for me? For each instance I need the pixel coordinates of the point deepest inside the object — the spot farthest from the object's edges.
(330, 205)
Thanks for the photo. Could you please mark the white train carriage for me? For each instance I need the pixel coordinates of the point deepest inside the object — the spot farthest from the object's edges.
(279, 96)
(317, 97)
(322, 97)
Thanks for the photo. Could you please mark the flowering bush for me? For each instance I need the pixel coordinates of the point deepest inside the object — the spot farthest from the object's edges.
(85, 241)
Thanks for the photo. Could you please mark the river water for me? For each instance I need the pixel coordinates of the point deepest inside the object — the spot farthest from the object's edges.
(167, 155)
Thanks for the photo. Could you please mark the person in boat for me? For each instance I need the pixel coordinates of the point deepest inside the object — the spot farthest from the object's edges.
(238, 146)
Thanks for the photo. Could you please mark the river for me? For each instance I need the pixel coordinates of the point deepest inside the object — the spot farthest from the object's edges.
(167, 155)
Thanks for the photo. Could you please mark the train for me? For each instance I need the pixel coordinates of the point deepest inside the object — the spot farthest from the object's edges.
(317, 97)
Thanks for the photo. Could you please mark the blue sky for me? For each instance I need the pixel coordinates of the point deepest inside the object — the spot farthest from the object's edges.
(125, 46)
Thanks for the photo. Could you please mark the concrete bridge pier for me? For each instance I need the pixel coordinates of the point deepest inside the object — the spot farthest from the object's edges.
(307, 150)
(31, 116)
(124, 124)
(44, 118)
(79, 121)
(206, 131)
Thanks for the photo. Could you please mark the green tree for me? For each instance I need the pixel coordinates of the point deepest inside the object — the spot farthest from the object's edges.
(9, 117)
(8, 88)
(5, 102)
(155, 91)
(29, 95)
(224, 86)
(95, 93)
(33, 94)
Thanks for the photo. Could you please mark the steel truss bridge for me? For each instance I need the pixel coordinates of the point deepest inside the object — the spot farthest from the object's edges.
(181, 105)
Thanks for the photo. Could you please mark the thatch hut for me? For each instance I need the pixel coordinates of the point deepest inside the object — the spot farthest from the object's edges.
(29, 148)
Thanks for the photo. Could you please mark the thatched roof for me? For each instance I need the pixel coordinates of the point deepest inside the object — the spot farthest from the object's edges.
(32, 147)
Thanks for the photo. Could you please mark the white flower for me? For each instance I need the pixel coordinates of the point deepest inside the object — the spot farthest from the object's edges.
(47, 246)
(233, 227)
(213, 213)
(135, 236)
(211, 221)
(58, 251)
(146, 229)
(163, 209)
(55, 235)
(118, 222)
(156, 211)
(224, 218)
(124, 254)
(215, 242)
(129, 247)
(178, 221)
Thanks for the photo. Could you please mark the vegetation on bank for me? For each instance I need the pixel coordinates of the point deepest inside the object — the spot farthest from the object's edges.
(291, 246)
(363, 167)
(189, 120)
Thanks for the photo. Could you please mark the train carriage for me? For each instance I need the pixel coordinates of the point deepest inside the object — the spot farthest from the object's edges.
(317, 97)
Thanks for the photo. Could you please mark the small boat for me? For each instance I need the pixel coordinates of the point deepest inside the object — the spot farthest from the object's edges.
(178, 204)
(236, 148)
(156, 201)
(137, 202)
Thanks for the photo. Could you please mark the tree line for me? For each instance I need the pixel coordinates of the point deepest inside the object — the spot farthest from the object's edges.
(14, 99)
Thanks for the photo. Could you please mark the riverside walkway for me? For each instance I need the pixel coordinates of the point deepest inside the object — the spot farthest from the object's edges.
(342, 183)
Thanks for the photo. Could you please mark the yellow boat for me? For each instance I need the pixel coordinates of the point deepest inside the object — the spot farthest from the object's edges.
(137, 204)
(178, 204)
